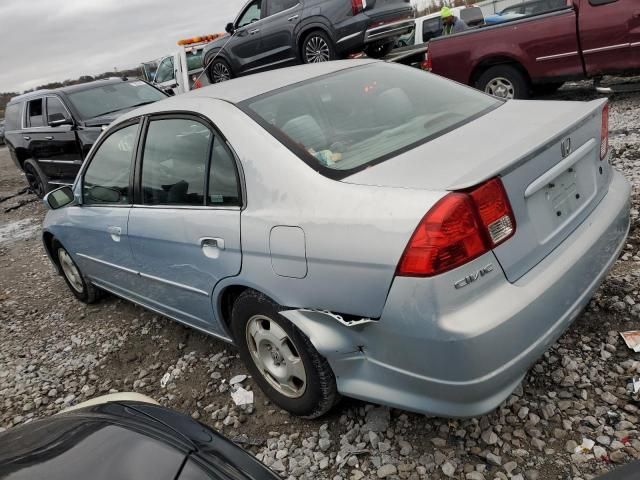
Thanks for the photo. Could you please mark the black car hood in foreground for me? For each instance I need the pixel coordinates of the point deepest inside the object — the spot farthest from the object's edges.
(120, 440)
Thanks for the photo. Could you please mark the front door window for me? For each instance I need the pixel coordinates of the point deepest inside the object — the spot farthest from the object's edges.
(250, 15)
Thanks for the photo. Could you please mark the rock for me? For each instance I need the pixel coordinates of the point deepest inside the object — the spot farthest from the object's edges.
(324, 444)
(494, 459)
(489, 437)
(377, 419)
(510, 467)
(618, 456)
(448, 469)
(373, 439)
(537, 443)
(405, 448)
(386, 471)
(599, 452)
(609, 397)
(474, 476)
(570, 446)
(439, 442)
(532, 475)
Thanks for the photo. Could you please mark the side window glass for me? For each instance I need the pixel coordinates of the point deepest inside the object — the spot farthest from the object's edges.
(166, 71)
(431, 28)
(250, 15)
(34, 113)
(12, 117)
(106, 180)
(55, 110)
(278, 6)
(174, 164)
(224, 187)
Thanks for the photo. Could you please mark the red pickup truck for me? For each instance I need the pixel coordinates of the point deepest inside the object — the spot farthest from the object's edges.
(586, 39)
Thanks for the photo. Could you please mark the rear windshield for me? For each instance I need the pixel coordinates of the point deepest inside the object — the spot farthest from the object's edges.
(346, 121)
(112, 98)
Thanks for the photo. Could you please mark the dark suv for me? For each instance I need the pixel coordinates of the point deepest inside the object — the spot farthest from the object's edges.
(50, 132)
(274, 33)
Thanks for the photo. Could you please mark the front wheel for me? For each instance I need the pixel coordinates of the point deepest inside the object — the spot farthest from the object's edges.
(220, 71)
(36, 178)
(504, 81)
(281, 358)
(317, 47)
(73, 277)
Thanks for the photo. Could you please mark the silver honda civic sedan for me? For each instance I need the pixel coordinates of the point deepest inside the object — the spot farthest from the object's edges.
(355, 228)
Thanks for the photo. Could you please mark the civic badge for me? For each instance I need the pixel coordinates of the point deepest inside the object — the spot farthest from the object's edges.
(565, 147)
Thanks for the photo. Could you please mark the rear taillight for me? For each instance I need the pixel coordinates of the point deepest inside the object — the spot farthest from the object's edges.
(604, 132)
(358, 6)
(426, 63)
(459, 228)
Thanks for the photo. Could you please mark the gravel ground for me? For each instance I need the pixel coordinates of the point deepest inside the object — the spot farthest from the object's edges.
(55, 352)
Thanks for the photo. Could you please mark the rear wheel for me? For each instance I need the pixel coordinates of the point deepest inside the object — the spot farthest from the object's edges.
(504, 81)
(38, 181)
(317, 47)
(220, 71)
(73, 277)
(281, 358)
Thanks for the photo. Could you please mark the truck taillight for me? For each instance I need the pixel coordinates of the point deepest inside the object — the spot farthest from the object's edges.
(358, 6)
(604, 132)
(459, 228)
(426, 63)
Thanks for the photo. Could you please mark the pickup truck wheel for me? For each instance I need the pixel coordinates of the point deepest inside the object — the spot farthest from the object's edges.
(317, 47)
(220, 71)
(280, 358)
(504, 81)
(38, 181)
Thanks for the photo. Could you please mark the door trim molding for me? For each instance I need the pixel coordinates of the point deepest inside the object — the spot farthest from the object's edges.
(558, 55)
(108, 264)
(608, 47)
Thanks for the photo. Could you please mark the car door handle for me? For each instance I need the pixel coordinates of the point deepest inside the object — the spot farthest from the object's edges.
(115, 233)
(212, 243)
(295, 17)
(27, 138)
(253, 32)
(48, 138)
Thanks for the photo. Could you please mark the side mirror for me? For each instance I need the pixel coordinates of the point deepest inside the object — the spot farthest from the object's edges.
(58, 119)
(59, 198)
(229, 28)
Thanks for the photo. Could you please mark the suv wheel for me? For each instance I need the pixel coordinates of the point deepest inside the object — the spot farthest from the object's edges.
(317, 47)
(38, 181)
(73, 277)
(220, 71)
(281, 359)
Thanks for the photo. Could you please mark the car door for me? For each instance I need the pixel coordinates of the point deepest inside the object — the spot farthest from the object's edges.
(34, 134)
(278, 32)
(247, 36)
(95, 230)
(604, 27)
(61, 154)
(184, 240)
(165, 77)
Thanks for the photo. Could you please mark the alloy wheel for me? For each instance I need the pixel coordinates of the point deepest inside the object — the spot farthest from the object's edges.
(276, 356)
(35, 184)
(317, 50)
(70, 270)
(221, 73)
(501, 87)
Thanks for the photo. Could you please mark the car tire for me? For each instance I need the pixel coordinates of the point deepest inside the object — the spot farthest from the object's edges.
(546, 88)
(317, 47)
(271, 346)
(220, 71)
(504, 81)
(36, 178)
(73, 277)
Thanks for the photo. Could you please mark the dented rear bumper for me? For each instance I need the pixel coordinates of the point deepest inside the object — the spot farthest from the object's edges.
(435, 353)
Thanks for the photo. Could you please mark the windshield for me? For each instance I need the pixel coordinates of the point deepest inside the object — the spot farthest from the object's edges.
(98, 101)
(343, 122)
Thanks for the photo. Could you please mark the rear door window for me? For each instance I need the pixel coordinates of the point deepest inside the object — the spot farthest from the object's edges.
(175, 161)
(35, 114)
(277, 6)
(431, 28)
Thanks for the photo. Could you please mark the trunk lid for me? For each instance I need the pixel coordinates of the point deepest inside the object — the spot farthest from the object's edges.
(551, 190)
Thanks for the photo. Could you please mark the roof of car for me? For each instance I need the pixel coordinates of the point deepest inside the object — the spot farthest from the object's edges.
(71, 88)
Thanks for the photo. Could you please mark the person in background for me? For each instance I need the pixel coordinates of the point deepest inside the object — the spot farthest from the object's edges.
(450, 23)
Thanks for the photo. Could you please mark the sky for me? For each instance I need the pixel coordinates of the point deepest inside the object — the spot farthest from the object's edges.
(53, 40)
